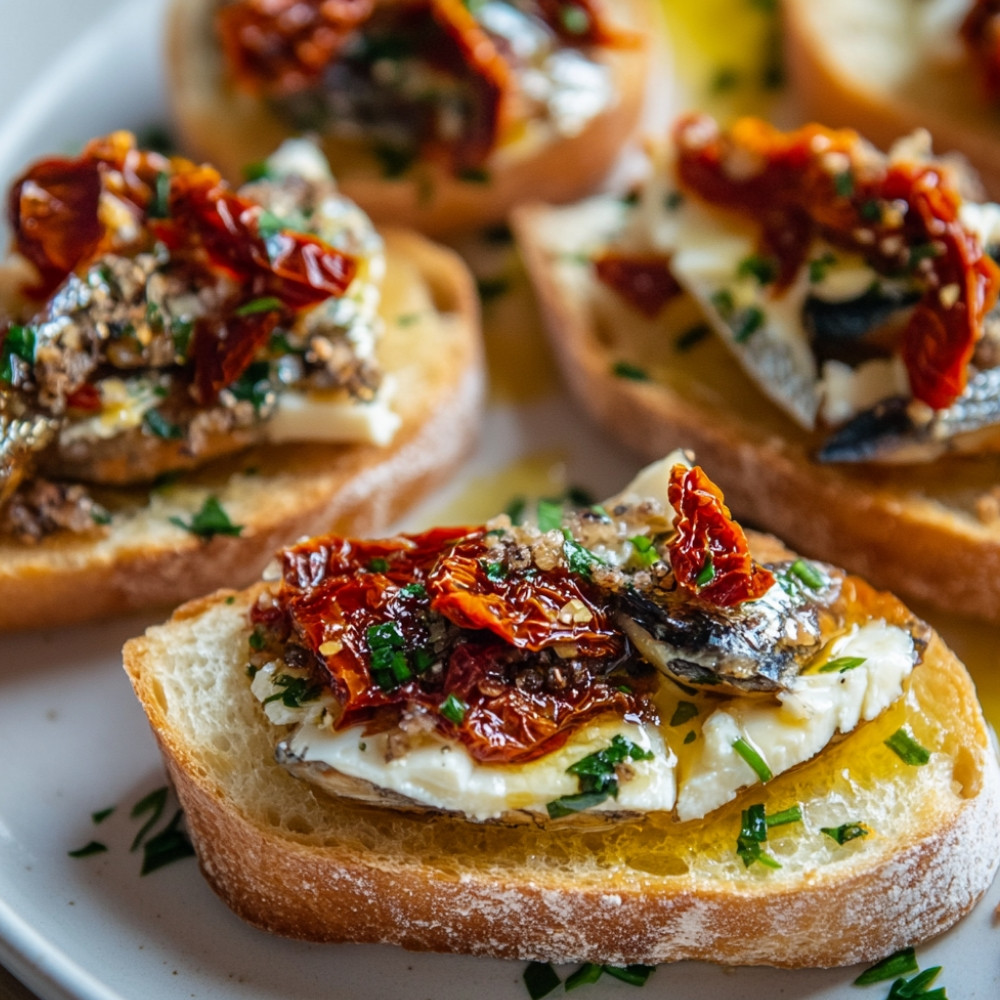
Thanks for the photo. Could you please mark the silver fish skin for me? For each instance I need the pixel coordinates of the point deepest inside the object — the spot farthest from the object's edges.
(899, 431)
(758, 646)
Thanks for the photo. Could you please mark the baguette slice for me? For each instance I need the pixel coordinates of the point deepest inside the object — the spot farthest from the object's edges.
(930, 533)
(233, 130)
(886, 69)
(431, 348)
(293, 860)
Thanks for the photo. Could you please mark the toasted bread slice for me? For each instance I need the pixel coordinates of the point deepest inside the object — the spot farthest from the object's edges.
(306, 864)
(888, 68)
(232, 130)
(929, 532)
(430, 347)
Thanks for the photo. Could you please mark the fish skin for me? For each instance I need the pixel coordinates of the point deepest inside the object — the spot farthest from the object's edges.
(756, 647)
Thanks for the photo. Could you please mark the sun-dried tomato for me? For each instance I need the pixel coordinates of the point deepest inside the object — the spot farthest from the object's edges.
(336, 591)
(709, 553)
(980, 31)
(55, 212)
(282, 46)
(53, 208)
(644, 280)
(531, 610)
(816, 181)
(86, 398)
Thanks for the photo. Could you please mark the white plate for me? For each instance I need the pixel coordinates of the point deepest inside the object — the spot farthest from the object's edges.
(73, 740)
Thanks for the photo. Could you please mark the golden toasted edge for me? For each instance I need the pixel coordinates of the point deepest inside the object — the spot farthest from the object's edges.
(848, 516)
(300, 490)
(835, 92)
(232, 130)
(919, 881)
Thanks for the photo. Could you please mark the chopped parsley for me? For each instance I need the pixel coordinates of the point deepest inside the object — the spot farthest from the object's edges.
(453, 708)
(907, 748)
(749, 322)
(180, 332)
(684, 712)
(549, 514)
(378, 565)
(389, 662)
(295, 691)
(842, 664)
(575, 20)
(819, 266)
(723, 302)
(871, 210)
(845, 832)
(707, 572)
(895, 965)
(258, 171)
(764, 269)
(597, 774)
(266, 303)
(18, 343)
(515, 510)
(752, 837)
(415, 590)
(159, 206)
(753, 758)
(88, 849)
(644, 551)
(541, 979)
(102, 814)
(496, 572)
(808, 574)
(169, 845)
(627, 370)
(843, 184)
(579, 558)
(692, 336)
(209, 521)
(158, 425)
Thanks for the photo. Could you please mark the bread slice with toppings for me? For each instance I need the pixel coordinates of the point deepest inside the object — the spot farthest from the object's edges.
(820, 446)
(882, 837)
(524, 106)
(889, 68)
(157, 333)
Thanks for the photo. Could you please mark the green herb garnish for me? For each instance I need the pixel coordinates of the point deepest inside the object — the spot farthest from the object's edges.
(845, 832)
(644, 551)
(808, 574)
(753, 758)
(102, 814)
(819, 266)
(541, 979)
(597, 775)
(415, 590)
(793, 814)
(211, 520)
(378, 565)
(295, 691)
(389, 663)
(259, 171)
(693, 335)
(394, 160)
(723, 302)
(515, 510)
(764, 269)
(88, 849)
(474, 175)
(627, 370)
(750, 321)
(898, 964)
(684, 712)
(159, 206)
(266, 303)
(588, 973)
(453, 708)
(752, 835)
(153, 803)
(579, 558)
(634, 975)
(169, 845)
(842, 664)
(158, 425)
(496, 572)
(843, 184)
(707, 572)
(18, 343)
(492, 288)
(549, 514)
(907, 748)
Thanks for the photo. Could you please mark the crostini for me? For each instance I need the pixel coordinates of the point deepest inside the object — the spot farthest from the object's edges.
(891, 67)
(819, 320)
(192, 374)
(628, 733)
(434, 114)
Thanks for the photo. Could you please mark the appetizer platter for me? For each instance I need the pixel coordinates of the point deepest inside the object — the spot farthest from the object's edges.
(101, 898)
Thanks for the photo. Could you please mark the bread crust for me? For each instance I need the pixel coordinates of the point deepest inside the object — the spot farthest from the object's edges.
(279, 492)
(855, 65)
(232, 130)
(295, 862)
(925, 532)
